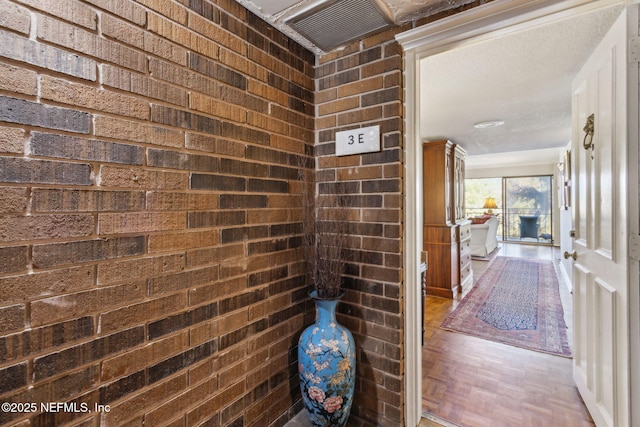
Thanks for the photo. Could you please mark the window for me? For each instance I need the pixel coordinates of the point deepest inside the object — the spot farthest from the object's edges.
(524, 205)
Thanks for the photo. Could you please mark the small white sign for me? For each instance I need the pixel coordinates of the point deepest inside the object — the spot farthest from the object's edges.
(356, 141)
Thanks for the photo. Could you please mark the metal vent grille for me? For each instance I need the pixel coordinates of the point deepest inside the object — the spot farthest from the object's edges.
(339, 22)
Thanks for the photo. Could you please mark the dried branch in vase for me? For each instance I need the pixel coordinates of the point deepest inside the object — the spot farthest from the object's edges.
(325, 228)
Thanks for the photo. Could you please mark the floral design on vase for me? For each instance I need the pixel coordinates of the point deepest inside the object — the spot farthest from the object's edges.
(326, 362)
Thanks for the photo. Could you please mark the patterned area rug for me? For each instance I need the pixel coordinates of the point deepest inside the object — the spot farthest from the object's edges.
(516, 302)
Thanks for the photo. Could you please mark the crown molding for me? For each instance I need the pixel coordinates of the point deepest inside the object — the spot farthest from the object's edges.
(506, 16)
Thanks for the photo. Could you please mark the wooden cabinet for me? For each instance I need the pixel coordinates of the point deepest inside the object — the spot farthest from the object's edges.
(437, 171)
(457, 182)
(464, 245)
(446, 232)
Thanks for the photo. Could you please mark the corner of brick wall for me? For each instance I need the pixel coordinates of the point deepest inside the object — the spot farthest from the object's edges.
(149, 212)
(357, 87)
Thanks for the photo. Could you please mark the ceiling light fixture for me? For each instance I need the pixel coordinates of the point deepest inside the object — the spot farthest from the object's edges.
(489, 124)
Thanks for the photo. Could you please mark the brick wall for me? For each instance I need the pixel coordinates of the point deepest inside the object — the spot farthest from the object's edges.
(357, 87)
(149, 230)
(149, 221)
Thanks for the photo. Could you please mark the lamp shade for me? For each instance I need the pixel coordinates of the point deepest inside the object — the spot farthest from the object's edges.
(490, 203)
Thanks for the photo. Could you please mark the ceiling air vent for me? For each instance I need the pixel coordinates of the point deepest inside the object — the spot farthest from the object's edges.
(337, 23)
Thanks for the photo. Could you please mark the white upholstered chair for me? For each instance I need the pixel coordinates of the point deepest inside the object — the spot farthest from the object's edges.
(483, 237)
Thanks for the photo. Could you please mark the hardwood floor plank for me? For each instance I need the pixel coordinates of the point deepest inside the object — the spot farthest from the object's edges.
(472, 382)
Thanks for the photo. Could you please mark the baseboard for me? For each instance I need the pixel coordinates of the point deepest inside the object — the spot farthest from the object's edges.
(438, 420)
(565, 276)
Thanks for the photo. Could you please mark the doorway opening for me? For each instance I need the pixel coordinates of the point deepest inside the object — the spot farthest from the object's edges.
(492, 20)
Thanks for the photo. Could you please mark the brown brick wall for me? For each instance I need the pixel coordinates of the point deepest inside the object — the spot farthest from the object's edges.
(149, 230)
(357, 87)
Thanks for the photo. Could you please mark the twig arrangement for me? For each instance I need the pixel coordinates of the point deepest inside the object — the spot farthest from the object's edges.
(325, 229)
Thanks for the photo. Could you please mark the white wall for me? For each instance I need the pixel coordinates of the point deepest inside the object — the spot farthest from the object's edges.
(565, 218)
(498, 171)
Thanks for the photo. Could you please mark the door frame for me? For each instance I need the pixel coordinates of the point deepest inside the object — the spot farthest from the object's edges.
(485, 22)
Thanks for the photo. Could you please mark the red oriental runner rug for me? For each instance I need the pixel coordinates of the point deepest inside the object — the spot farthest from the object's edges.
(517, 302)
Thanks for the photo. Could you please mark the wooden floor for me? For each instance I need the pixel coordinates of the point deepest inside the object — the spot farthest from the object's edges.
(468, 381)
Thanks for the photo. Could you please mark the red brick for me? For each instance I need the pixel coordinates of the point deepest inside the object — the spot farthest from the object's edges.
(183, 280)
(66, 147)
(241, 63)
(142, 178)
(267, 92)
(135, 406)
(13, 200)
(129, 270)
(141, 313)
(11, 141)
(126, 9)
(45, 227)
(71, 253)
(383, 66)
(183, 241)
(384, 215)
(214, 403)
(62, 91)
(37, 340)
(78, 304)
(24, 288)
(90, 44)
(362, 115)
(216, 290)
(25, 112)
(21, 49)
(70, 200)
(12, 318)
(63, 360)
(19, 80)
(172, 201)
(14, 17)
(121, 78)
(67, 10)
(122, 31)
(180, 35)
(183, 77)
(138, 358)
(240, 107)
(181, 402)
(139, 222)
(214, 107)
(14, 259)
(203, 332)
(225, 38)
(131, 131)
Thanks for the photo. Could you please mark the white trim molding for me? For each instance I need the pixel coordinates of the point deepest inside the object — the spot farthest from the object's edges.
(484, 22)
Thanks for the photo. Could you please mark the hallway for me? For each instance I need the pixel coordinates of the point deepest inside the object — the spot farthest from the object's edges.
(473, 382)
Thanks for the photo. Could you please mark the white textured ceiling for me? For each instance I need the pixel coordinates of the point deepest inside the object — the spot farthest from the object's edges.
(522, 78)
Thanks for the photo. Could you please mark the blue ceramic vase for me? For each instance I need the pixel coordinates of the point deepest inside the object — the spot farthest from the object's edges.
(327, 366)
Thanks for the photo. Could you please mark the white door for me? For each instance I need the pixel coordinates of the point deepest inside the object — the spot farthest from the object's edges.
(600, 216)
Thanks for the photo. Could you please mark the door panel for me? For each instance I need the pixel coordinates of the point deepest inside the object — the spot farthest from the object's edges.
(604, 313)
(579, 161)
(581, 302)
(601, 287)
(603, 163)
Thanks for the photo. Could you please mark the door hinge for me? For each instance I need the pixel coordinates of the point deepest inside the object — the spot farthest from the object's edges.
(634, 50)
(634, 247)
